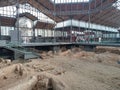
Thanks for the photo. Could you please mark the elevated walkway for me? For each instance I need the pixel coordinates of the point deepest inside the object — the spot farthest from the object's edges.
(20, 52)
(98, 44)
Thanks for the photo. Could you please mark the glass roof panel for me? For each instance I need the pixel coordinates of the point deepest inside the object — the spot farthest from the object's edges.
(117, 4)
(69, 1)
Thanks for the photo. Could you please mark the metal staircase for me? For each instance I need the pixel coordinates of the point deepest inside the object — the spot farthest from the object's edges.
(21, 52)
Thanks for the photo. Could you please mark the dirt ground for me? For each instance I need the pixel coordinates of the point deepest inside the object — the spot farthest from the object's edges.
(73, 69)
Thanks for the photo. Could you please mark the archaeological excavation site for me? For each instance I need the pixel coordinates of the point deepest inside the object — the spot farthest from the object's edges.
(59, 44)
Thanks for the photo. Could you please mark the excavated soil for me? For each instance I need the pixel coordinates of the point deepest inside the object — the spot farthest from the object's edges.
(72, 69)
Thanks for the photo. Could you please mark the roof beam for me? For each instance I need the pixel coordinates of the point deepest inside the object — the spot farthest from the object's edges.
(10, 2)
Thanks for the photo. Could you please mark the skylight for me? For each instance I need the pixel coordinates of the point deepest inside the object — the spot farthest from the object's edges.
(69, 1)
(117, 4)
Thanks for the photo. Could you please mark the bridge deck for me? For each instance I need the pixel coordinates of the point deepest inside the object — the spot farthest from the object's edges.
(65, 43)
